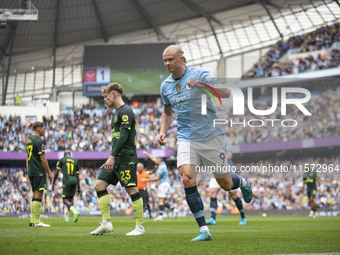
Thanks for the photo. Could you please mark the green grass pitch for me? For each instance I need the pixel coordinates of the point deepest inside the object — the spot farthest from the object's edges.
(146, 82)
(269, 235)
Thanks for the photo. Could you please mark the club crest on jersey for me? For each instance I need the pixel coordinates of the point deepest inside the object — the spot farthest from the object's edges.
(178, 87)
(115, 120)
(125, 118)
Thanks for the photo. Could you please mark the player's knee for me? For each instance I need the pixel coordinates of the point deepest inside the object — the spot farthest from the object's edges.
(98, 186)
(226, 184)
(229, 185)
(187, 181)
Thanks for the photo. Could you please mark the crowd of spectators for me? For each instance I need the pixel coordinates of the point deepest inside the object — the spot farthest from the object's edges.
(276, 190)
(270, 65)
(86, 129)
(318, 125)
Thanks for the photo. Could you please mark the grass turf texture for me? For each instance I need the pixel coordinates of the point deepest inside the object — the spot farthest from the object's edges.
(273, 234)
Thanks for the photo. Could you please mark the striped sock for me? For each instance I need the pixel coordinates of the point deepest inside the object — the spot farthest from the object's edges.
(239, 205)
(161, 210)
(195, 203)
(169, 206)
(213, 207)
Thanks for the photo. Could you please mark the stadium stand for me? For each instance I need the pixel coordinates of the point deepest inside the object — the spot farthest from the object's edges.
(272, 191)
(56, 57)
(326, 39)
(83, 129)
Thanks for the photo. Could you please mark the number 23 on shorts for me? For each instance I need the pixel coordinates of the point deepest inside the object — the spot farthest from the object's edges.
(125, 175)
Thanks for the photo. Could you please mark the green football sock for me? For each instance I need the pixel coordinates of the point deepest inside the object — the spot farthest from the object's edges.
(32, 212)
(73, 210)
(37, 211)
(138, 211)
(69, 213)
(104, 205)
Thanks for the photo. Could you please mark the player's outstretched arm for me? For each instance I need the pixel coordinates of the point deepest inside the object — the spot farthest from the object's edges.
(165, 124)
(222, 92)
(152, 179)
(150, 156)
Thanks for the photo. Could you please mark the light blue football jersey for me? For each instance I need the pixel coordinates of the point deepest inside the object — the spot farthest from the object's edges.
(186, 103)
(162, 170)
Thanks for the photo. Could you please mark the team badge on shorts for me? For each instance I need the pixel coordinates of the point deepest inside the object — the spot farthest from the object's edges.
(178, 87)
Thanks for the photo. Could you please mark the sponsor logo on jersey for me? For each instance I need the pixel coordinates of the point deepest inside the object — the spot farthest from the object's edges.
(181, 100)
(116, 135)
(178, 87)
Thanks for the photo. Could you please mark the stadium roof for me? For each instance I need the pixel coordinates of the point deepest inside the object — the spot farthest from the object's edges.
(207, 30)
(65, 22)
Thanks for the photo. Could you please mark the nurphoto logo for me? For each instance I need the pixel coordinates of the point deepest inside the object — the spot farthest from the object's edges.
(238, 100)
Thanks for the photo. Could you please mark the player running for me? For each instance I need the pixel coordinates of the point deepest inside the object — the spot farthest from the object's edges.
(213, 191)
(198, 140)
